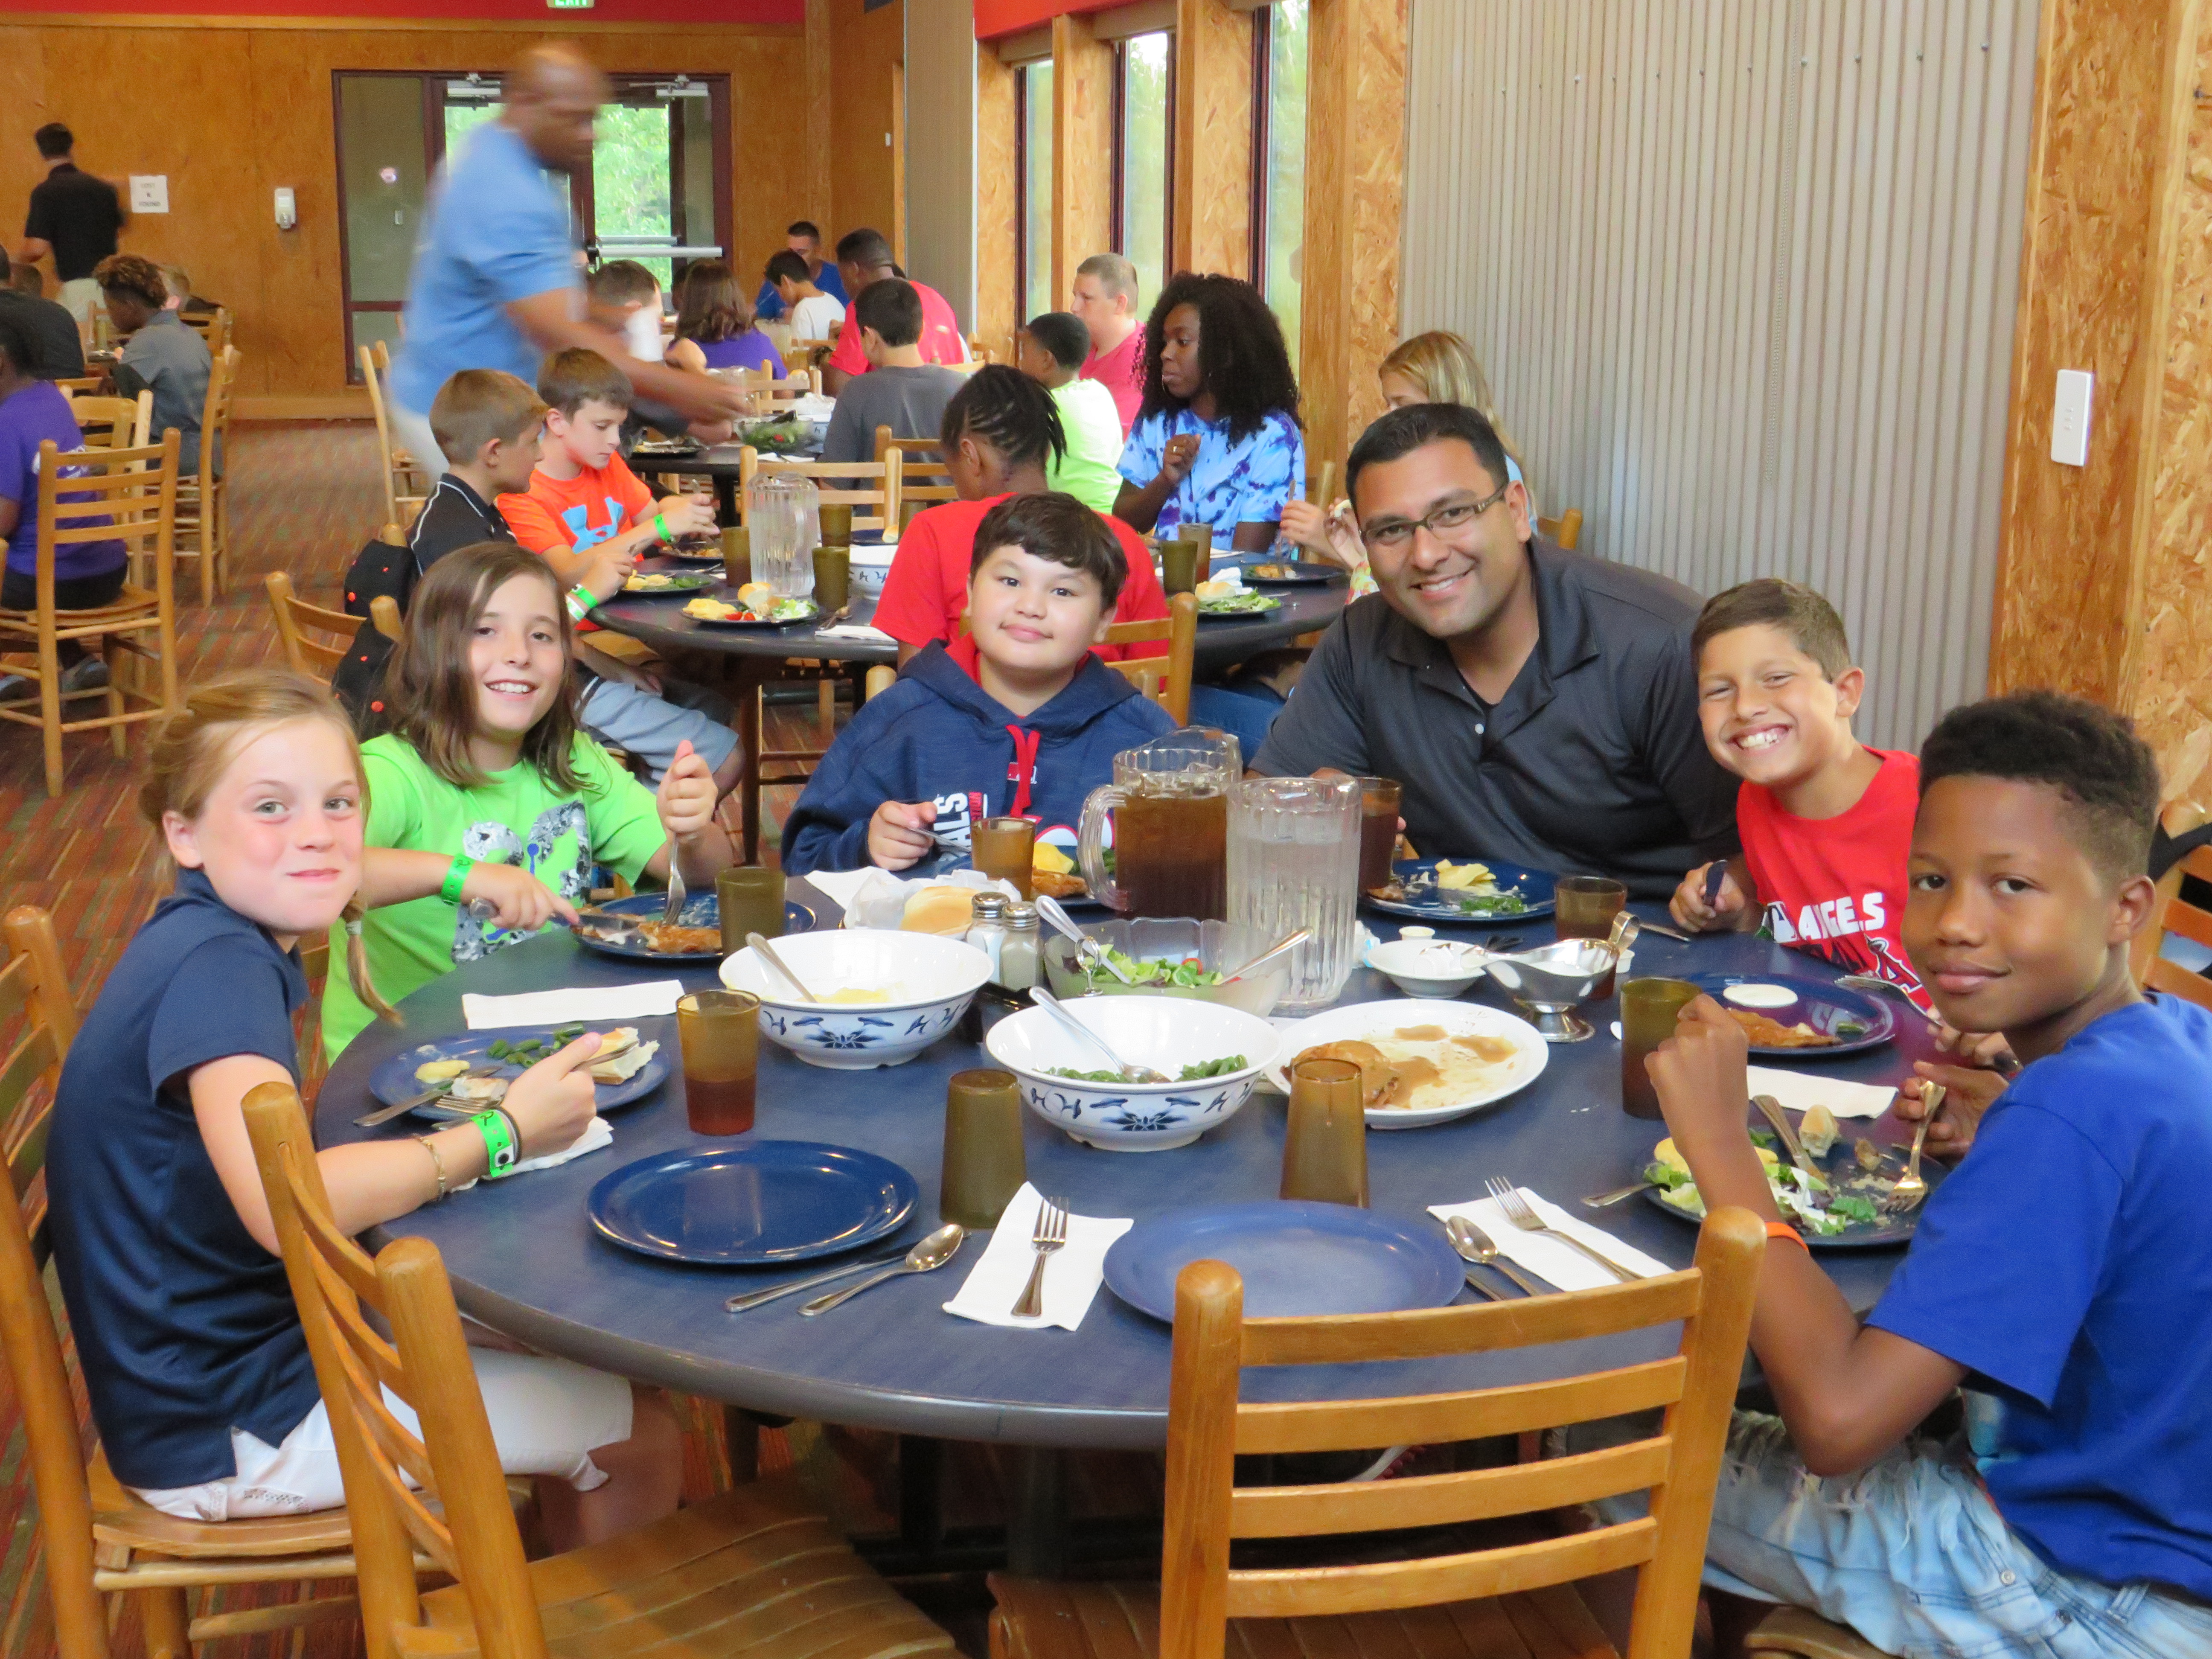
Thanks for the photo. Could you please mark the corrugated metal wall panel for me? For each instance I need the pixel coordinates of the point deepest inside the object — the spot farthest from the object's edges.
(1743, 273)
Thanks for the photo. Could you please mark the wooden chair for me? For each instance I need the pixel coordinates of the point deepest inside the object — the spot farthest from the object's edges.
(1794, 1633)
(881, 678)
(2177, 915)
(82, 385)
(203, 499)
(114, 422)
(769, 394)
(871, 489)
(406, 485)
(749, 1572)
(978, 353)
(212, 327)
(923, 478)
(1511, 1600)
(1324, 486)
(1165, 680)
(1566, 529)
(100, 1539)
(318, 657)
(126, 496)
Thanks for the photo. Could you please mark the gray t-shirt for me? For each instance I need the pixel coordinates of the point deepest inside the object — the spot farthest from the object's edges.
(174, 361)
(910, 401)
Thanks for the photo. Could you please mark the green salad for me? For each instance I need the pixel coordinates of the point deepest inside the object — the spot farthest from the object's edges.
(530, 1050)
(1822, 1206)
(1186, 975)
(1507, 903)
(784, 432)
(1204, 1069)
(1232, 604)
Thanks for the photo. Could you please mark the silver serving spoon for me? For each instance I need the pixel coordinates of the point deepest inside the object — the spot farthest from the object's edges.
(1283, 946)
(814, 1281)
(1087, 950)
(1129, 1073)
(768, 955)
(1474, 1245)
(931, 1253)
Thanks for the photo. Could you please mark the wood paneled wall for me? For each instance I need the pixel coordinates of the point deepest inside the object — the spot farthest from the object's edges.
(1082, 149)
(866, 49)
(1213, 218)
(998, 218)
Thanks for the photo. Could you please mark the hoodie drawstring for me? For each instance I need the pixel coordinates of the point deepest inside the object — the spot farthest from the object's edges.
(1022, 773)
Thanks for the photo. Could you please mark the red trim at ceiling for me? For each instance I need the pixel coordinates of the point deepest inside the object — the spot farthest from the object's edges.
(791, 12)
(995, 18)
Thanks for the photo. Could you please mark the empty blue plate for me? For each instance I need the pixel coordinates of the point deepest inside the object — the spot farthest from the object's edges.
(394, 1080)
(1426, 901)
(752, 1204)
(1296, 1259)
(1857, 1020)
(704, 911)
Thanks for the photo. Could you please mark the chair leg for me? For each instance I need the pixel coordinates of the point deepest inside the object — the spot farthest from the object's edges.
(50, 712)
(115, 737)
(741, 1437)
(167, 1618)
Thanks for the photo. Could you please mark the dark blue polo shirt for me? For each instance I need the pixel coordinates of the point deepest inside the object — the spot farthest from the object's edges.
(184, 1326)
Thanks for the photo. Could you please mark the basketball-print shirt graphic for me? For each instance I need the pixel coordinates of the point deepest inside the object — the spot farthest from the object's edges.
(1835, 887)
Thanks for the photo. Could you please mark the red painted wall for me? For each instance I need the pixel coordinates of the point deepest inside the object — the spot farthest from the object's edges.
(791, 12)
(996, 17)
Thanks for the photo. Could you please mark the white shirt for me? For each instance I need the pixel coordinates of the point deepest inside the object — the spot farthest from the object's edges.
(815, 317)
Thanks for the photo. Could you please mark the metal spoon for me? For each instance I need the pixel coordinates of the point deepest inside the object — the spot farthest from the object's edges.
(1129, 1073)
(768, 955)
(931, 1253)
(1474, 1245)
(814, 1281)
(1289, 942)
(1087, 950)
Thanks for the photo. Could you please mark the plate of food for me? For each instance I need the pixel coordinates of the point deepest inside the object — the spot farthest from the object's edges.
(785, 434)
(649, 447)
(1474, 890)
(667, 581)
(472, 1071)
(1799, 1017)
(632, 928)
(1420, 1061)
(1296, 573)
(1841, 1210)
(1224, 598)
(759, 606)
(1053, 873)
(697, 550)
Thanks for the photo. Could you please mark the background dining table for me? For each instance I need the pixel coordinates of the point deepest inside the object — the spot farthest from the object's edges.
(526, 1260)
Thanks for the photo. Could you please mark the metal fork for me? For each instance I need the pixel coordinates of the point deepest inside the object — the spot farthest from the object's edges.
(428, 1097)
(1518, 1212)
(671, 912)
(1904, 1197)
(1048, 1236)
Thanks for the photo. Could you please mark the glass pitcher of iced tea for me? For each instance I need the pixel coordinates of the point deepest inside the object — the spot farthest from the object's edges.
(1169, 805)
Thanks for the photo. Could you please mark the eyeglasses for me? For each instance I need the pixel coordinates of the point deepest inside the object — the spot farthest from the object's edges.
(1394, 534)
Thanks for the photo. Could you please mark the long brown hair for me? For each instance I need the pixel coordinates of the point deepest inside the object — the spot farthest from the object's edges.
(430, 690)
(710, 304)
(192, 747)
(1445, 368)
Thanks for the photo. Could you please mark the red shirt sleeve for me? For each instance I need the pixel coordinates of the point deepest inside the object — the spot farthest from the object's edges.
(533, 523)
(1142, 599)
(847, 354)
(914, 609)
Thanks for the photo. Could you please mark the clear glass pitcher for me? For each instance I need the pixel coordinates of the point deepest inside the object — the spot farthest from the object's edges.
(1170, 802)
(1294, 862)
(783, 511)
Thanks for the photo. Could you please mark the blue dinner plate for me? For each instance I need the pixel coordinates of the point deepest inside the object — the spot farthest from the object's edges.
(1295, 1258)
(704, 911)
(1425, 902)
(1306, 574)
(1858, 1021)
(753, 1203)
(1841, 1167)
(394, 1080)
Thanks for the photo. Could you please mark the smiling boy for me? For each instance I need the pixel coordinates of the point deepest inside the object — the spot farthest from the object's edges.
(2062, 1273)
(1015, 717)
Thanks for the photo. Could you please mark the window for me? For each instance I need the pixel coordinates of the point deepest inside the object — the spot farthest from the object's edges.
(1279, 37)
(1033, 159)
(1143, 156)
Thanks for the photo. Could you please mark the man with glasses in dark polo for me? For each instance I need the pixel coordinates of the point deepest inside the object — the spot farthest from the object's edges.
(1539, 706)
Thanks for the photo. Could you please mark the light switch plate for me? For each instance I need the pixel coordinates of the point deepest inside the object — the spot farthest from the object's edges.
(2069, 417)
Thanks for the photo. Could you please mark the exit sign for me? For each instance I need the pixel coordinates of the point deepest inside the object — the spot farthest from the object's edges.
(567, 5)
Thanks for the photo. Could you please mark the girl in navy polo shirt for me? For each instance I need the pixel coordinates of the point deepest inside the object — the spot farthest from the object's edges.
(191, 1349)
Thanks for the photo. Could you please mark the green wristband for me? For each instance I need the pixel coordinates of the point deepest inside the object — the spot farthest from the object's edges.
(500, 1151)
(660, 524)
(580, 601)
(456, 873)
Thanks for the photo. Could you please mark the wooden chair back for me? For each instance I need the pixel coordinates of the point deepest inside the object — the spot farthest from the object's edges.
(399, 468)
(1324, 487)
(124, 495)
(978, 353)
(114, 422)
(1208, 1428)
(1566, 530)
(298, 623)
(453, 1464)
(924, 479)
(212, 327)
(1165, 680)
(81, 386)
(881, 677)
(2175, 915)
(768, 392)
(33, 989)
(871, 489)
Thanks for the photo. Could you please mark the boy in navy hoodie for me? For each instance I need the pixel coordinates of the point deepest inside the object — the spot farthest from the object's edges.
(1014, 718)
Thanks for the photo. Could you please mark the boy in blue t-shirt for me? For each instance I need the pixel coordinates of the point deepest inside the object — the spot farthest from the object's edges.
(2063, 1274)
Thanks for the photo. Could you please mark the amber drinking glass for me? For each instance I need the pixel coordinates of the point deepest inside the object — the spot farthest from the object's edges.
(1325, 1151)
(1178, 567)
(984, 1165)
(720, 1034)
(1199, 536)
(1587, 906)
(750, 900)
(1005, 849)
(1648, 1008)
(737, 555)
(1378, 830)
(833, 576)
(836, 525)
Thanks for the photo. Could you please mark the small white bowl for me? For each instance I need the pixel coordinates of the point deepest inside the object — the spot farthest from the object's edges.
(931, 982)
(1165, 1033)
(870, 566)
(1427, 967)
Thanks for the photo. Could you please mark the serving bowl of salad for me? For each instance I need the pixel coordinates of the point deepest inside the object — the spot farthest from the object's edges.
(1173, 957)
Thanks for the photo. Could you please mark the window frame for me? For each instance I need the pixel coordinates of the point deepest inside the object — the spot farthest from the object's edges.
(1118, 219)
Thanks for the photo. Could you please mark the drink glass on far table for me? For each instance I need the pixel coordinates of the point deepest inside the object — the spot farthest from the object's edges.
(1325, 1140)
(984, 1163)
(1586, 908)
(1178, 567)
(750, 899)
(838, 523)
(720, 1031)
(1294, 862)
(833, 577)
(737, 555)
(1378, 830)
(1648, 1008)
(1199, 536)
(1004, 849)
(1170, 803)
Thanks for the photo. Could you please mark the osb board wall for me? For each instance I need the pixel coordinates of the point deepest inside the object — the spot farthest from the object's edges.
(239, 109)
(1082, 149)
(867, 47)
(1212, 228)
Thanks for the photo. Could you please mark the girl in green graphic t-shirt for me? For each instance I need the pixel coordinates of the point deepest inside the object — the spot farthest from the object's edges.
(485, 787)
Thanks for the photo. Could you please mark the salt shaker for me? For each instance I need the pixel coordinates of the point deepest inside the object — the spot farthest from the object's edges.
(1017, 960)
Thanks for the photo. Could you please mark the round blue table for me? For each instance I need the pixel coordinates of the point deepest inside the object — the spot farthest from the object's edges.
(525, 1260)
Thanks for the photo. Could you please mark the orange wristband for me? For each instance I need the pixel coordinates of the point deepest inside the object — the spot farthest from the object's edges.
(1784, 1230)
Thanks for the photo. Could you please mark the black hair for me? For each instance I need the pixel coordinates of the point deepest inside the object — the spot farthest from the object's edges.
(892, 308)
(17, 347)
(1062, 334)
(2092, 756)
(1059, 528)
(1242, 359)
(1402, 431)
(871, 249)
(804, 227)
(1007, 410)
(54, 141)
(785, 267)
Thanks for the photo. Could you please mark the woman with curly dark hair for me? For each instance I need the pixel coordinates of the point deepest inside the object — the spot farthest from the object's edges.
(1216, 439)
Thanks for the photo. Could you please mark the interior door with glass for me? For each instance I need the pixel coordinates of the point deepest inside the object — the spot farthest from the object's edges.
(657, 192)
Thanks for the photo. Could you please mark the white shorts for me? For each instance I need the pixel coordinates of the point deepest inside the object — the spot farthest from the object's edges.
(547, 1417)
(81, 297)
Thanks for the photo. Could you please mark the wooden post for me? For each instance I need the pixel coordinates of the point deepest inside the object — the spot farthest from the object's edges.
(1082, 149)
(1212, 217)
(997, 213)
(821, 62)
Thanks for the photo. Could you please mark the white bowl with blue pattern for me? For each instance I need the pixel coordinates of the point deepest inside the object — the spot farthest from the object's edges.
(928, 983)
(1164, 1033)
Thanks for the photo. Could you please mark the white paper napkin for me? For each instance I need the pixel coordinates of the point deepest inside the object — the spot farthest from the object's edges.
(599, 1006)
(856, 631)
(1072, 1275)
(1560, 1264)
(597, 1134)
(1799, 1090)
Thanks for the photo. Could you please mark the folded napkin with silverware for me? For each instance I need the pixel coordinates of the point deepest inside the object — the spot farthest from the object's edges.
(597, 1134)
(1073, 1274)
(1800, 1090)
(1548, 1259)
(859, 631)
(601, 1007)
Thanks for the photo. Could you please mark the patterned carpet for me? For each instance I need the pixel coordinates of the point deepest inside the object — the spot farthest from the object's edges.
(306, 497)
